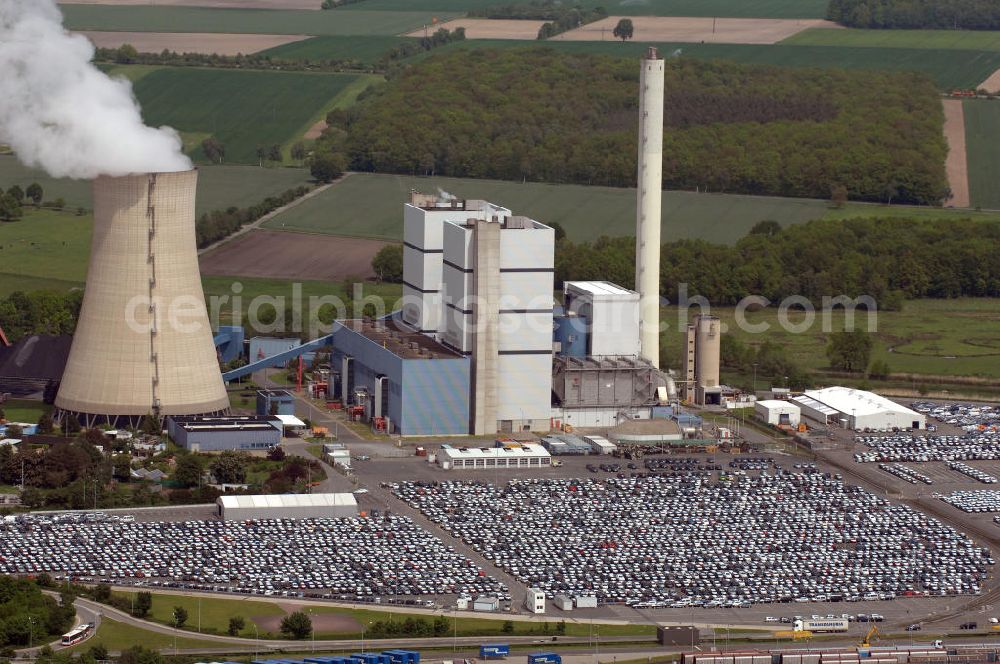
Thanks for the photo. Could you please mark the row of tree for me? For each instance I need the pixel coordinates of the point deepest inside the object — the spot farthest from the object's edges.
(213, 226)
(129, 55)
(27, 616)
(39, 312)
(888, 259)
(570, 19)
(732, 127)
(917, 14)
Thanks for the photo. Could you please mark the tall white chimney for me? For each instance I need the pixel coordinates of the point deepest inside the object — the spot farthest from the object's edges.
(650, 184)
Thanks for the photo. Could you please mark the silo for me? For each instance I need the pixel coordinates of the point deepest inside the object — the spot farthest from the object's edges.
(708, 344)
(143, 343)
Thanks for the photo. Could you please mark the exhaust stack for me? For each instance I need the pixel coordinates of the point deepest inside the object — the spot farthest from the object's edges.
(650, 185)
(143, 344)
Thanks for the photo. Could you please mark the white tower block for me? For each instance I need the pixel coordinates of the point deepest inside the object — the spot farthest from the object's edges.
(650, 184)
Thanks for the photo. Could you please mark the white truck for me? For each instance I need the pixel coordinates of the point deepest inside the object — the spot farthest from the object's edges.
(822, 625)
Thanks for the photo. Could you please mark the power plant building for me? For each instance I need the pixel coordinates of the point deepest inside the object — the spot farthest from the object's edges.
(611, 315)
(423, 252)
(702, 351)
(498, 282)
(143, 343)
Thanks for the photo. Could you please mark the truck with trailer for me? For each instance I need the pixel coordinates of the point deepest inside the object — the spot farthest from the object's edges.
(494, 650)
(544, 658)
(825, 625)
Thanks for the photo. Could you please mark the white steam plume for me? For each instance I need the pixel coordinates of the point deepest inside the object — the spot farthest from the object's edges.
(60, 113)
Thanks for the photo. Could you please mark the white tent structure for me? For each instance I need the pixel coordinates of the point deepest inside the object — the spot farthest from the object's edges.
(857, 409)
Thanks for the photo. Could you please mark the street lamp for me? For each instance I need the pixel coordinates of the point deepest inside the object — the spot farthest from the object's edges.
(755, 379)
(31, 631)
(256, 638)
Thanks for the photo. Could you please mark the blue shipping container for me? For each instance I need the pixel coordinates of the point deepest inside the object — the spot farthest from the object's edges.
(494, 650)
(403, 656)
(544, 658)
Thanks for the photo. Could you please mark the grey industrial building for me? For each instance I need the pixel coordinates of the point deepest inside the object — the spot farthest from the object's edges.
(393, 372)
(219, 433)
(287, 506)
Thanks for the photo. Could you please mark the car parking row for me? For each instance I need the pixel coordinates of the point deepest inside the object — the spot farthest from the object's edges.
(904, 473)
(685, 540)
(975, 501)
(974, 473)
(356, 557)
(967, 416)
(983, 445)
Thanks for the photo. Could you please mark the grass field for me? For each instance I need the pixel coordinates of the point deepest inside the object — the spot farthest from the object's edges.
(982, 131)
(963, 40)
(243, 109)
(218, 186)
(720, 8)
(364, 49)
(47, 245)
(24, 410)
(215, 612)
(949, 68)
(255, 21)
(117, 636)
(936, 337)
(366, 205)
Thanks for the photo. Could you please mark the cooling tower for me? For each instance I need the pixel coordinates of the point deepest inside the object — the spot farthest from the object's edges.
(650, 185)
(143, 343)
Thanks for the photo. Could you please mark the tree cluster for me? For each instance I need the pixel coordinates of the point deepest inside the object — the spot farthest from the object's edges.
(213, 226)
(388, 264)
(127, 54)
(13, 200)
(769, 362)
(29, 616)
(889, 259)
(850, 350)
(409, 48)
(333, 4)
(570, 18)
(732, 127)
(410, 626)
(534, 10)
(39, 312)
(916, 14)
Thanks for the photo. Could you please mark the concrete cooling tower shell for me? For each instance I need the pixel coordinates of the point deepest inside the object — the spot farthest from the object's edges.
(143, 343)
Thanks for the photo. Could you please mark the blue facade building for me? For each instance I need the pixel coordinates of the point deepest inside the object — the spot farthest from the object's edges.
(394, 372)
(216, 434)
(281, 399)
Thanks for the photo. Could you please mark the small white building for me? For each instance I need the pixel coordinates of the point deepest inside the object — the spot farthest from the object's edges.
(524, 455)
(858, 409)
(586, 601)
(563, 602)
(601, 444)
(534, 601)
(484, 603)
(778, 413)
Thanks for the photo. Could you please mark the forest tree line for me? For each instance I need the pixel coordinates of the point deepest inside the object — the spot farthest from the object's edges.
(888, 259)
(917, 14)
(731, 127)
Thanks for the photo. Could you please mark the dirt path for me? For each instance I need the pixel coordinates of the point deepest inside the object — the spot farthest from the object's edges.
(267, 217)
(957, 164)
(992, 84)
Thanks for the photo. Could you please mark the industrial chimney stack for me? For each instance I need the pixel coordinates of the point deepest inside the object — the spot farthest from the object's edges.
(143, 344)
(650, 184)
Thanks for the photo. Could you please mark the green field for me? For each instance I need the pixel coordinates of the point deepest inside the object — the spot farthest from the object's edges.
(117, 636)
(218, 186)
(47, 245)
(949, 68)
(963, 40)
(254, 21)
(243, 109)
(982, 141)
(936, 337)
(24, 410)
(215, 612)
(367, 50)
(366, 205)
(731, 8)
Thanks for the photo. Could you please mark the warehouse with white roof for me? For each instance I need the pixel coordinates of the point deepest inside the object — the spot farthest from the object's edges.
(857, 409)
(287, 506)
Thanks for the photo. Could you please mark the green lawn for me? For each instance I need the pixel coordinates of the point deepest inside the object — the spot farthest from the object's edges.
(363, 49)
(218, 186)
(215, 612)
(24, 410)
(963, 40)
(47, 245)
(732, 8)
(243, 109)
(982, 141)
(253, 21)
(935, 337)
(117, 636)
(949, 68)
(366, 205)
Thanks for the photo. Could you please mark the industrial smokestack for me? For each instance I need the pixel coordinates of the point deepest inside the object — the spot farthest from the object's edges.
(143, 344)
(650, 184)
